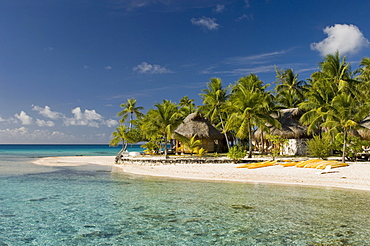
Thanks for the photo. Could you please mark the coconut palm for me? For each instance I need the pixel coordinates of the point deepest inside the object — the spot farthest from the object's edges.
(363, 75)
(289, 90)
(344, 116)
(214, 99)
(187, 106)
(129, 110)
(318, 100)
(165, 118)
(333, 78)
(251, 107)
(120, 136)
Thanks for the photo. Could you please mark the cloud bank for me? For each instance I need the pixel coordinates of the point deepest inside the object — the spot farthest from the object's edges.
(347, 39)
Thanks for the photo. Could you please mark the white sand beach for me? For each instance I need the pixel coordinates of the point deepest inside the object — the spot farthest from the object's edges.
(354, 176)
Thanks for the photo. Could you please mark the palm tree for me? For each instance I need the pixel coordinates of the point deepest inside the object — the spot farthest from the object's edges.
(214, 99)
(190, 144)
(165, 118)
(187, 106)
(344, 115)
(289, 90)
(119, 136)
(333, 78)
(129, 109)
(251, 107)
(364, 76)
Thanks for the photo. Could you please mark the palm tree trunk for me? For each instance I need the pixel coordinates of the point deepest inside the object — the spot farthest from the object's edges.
(344, 146)
(250, 140)
(223, 129)
(165, 147)
(130, 126)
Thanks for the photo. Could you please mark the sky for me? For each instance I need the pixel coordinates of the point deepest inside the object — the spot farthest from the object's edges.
(67, 65)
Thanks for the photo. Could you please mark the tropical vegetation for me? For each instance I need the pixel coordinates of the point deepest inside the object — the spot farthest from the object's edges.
(334, 100)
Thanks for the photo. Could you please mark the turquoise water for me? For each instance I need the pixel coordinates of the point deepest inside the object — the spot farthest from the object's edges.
(90, 205)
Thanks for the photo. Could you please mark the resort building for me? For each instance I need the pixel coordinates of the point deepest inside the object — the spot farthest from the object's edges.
(195, 124)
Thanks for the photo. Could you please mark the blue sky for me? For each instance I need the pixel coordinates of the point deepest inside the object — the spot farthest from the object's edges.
(66, 66)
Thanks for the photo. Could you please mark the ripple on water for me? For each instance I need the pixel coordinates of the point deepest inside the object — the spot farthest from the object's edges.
(70, 206)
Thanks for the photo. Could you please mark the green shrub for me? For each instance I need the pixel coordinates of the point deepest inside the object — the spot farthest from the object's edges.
(319, 146)
(278, 143)
(236, 153)
(354, 145)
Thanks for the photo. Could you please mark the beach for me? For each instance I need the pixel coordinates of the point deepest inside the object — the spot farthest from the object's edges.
(354, 176)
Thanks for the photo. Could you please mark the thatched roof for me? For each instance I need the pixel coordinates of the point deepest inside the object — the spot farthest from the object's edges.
(365, 132)
(195, 123)
(290, 126)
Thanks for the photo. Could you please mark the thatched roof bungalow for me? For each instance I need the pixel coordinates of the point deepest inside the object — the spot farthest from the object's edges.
(291, 129)
(290, 126)
(364, 133)
(195, 124)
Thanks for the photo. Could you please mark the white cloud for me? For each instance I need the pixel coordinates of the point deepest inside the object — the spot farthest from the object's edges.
(8, 133)
(83, 118)
(1, 119)
(205, 22)
(24, 118)
(341, 37)
(245, 16)
(46, 112)
(107, 67)
(44, 123)
(147, 68)
(219, 8)
(110, 123)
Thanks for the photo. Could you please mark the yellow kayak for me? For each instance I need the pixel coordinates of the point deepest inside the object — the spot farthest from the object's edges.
(316, 164)
(244, 165)
(288, 164)
(333, 164)
(303, 163)
(249, 164)
(262, 164)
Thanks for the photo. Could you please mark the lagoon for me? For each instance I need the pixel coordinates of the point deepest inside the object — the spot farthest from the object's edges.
(90, 205)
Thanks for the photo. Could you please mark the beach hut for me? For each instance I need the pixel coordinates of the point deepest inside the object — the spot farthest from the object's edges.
(291, 129)
(195, 124)
(364, 133)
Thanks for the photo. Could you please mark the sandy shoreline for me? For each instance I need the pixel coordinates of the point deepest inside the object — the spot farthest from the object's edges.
(355, 176)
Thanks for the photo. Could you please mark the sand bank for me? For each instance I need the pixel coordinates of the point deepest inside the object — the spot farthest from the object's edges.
(354, 176)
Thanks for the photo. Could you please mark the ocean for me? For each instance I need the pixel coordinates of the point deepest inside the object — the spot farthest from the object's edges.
(95, 205)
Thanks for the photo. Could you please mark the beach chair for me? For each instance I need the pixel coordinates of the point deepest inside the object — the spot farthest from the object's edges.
(326, 170)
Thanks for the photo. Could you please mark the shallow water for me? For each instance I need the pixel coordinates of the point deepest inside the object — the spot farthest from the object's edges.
(89, 205)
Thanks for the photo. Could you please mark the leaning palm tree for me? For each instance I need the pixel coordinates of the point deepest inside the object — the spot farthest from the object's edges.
(214, 99)
(129, 109)
(119, 136)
